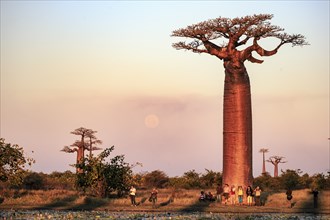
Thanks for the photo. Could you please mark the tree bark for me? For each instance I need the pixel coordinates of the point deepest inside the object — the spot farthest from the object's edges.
(80, 159)
(276, 170)
(81, 153)
(237, 126)
(263, 164)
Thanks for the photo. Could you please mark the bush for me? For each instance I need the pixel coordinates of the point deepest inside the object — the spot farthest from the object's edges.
(156, 179)
(33, 181)
(58, 180)
(290, 179)
(266, 182)
(192, 180)
(210, 179)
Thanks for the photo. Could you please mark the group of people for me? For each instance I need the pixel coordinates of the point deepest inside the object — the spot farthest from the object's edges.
(152, 198)
(226, 195)
(206, 197)
(231, 195)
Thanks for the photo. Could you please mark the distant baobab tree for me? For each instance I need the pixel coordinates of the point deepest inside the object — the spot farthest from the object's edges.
(81, 145)
(92, 142)
(263, 151)
(275, 160)
(240, 37)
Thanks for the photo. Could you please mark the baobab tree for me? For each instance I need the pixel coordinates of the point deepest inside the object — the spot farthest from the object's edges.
(92, 142)
(263, 151)
(275, 160)
(240, 37)
(81, 145)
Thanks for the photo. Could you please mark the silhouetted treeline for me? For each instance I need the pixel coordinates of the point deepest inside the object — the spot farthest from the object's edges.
(293, 179)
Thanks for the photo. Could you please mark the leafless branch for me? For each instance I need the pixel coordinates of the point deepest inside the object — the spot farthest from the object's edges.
(276, 160)
(68, 149)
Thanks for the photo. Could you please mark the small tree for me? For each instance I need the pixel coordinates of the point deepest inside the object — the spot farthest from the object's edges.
(192, 179)
(101, 178)
(210, 178)
(290, 179)
(92, 142)
(157, 179)
(12, 163)
(319, 181)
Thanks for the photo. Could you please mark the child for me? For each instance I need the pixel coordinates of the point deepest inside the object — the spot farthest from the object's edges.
(249, 194)
(240, 195)
(257, 192)
(233, 195)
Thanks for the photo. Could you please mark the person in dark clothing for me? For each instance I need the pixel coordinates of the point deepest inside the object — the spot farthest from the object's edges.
(219, 193)
(249, 195)
(289, 196)
(315, 197)
(257, 193)
(153, 197)
(210, 197)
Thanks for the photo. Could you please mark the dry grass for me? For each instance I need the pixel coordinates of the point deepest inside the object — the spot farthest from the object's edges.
(168, 200)
(302, 199)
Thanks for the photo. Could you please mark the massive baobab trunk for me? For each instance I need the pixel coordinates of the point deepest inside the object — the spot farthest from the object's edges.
(237, 128)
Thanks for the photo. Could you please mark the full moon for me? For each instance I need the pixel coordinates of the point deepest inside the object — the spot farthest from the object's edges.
(151, 121)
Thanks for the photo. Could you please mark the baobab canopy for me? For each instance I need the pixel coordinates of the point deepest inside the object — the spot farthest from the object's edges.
(235, 33)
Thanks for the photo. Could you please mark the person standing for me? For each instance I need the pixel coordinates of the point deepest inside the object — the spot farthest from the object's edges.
(240, 195)
(233, 195)
(315, 195)
(249, 194)
(257, 192)
(219, 190)
(289, 197)
(226, 191)
(132, 194)
(153, 197)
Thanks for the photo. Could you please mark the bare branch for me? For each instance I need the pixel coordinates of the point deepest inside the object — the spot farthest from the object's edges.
(254, 60)
(193, 48)
(69, 150)
(96, 148)
(242, 42)
(294, 39)
(276, 160)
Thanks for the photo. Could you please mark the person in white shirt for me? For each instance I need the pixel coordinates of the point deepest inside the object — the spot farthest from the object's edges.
(132, 193)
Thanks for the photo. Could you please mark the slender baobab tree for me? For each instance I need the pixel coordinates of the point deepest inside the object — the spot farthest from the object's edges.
(92, 142)
(240, 41)
(263, 151)
(275, 160)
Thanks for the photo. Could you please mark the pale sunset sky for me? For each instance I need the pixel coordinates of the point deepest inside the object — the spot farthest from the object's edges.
(107, 65)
